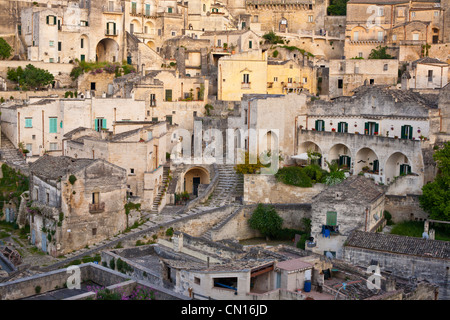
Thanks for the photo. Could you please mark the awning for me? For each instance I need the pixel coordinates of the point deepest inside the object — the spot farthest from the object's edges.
(301, 156)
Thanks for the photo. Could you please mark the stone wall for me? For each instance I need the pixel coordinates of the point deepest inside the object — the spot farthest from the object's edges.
(236, 226)
(430, 269)
(403, 208)
(265, 189)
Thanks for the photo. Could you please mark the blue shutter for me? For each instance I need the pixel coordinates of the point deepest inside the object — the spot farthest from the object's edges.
(28, 123)
(96, 124)
(103, 123)
(53, 125)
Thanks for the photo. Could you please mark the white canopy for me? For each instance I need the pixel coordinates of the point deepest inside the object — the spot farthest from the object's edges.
(301, 156)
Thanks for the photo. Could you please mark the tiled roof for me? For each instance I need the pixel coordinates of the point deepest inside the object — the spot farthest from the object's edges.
(399, 244)
(295, 264)
(428, 60)
(355, 187)
(52, 168)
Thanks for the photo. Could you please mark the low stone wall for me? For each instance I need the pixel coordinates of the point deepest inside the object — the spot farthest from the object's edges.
(403, 185)
(403, 208)
(260, 188)
(406, 266)
(236, 226)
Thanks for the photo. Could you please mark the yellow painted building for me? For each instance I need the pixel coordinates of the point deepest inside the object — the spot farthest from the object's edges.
(289, 76)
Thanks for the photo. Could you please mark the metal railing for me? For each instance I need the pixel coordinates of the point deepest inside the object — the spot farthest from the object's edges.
(96, 207)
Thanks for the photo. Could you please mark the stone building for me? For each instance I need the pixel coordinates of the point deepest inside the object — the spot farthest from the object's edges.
(75, 203)
(357, 203)
(404, 26)
(347, 75)
(408, 257)
(141, 152)
(426, 73)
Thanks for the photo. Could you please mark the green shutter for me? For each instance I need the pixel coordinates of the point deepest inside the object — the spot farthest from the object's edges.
(366, 128)
(54, 20)
(28, 123)
(376, 128)
(331, 218)
(61, 124)
(53, 125)
(317, 125)
(114, 28)
(403, 133)
(376, 165)
(410, 133)
(96, 124)
(346, 127)
(48, 19)
(103, 123)
(340, 127)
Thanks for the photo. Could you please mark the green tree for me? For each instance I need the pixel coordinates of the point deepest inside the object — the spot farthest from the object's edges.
(272, 38)
(337, 8)
(5, 49)
(435, 198)
(31, 77)
(266, 220)
(380, 53)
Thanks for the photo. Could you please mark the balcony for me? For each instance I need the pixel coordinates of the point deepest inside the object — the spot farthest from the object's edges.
(96, 207)
(412, 42)
(245, 85)
(112, 9)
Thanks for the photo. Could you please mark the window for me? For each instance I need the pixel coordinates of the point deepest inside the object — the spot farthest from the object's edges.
(430, 75)
(406, 132)
(320, 125)
(28, 122)
(219, 42)
(82, 43)
(340, 83)
(94, 231)
(92, 85)
(149, 135)
(343, 127)
(401, 12)
(376, 166)
(47, 198)
(152, 99)
(289, 80)
(169, 119)
(133, 7)
(147, 9)
(51, 60)
(371, 128)
(275, 79)
(51, 43)
(380, 12)
(111, 28)
(360, 54)
(111, 6)
(385, 67)
(310, 18)
(372, 81)
(394, 37)
(355, 36)
(169, 10)
(436, 13)
(380, 36)
(345, 161)
(53, 146)
(174, 33)
(99, 124)
(331, 218)
(59, 45)
(197, 280)
(255, 19)
(83, 57)
(250, 44)
(51, 20)
(84, 23)
(131, 171)
(413, 14)
(95, 197)
(416, 36)
(53, 125)
(246, 78)
(168, 95)
(305, 80)
(155, 119)
(405, 169)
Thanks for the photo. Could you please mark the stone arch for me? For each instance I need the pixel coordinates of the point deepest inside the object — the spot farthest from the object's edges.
(193, 177)
(107, 50)
(151, 44)
(135, 26)
(393, 165)
(364, 157)
(149, 28)
(308, 146)
(341, 153)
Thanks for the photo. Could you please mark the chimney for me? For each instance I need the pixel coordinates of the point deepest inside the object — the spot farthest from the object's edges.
(177, 242)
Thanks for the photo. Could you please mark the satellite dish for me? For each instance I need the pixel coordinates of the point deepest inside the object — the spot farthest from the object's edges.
(425, 236)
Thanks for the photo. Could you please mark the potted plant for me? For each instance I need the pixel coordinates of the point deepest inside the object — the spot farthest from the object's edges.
(333, 129)
(225, 46)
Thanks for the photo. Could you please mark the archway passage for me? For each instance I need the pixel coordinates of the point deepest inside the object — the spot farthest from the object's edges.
(193, 178)
(340, 154)
(151, 44)
(313, 149)
(367, 161)
(107, 51)
(396, 165)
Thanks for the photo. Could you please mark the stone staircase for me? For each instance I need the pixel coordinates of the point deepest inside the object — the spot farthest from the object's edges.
(12, 156)
(230, 188)
(161, 193)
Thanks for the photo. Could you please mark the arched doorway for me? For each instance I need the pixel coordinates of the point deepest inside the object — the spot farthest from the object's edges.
(135, 26)
(107, 50)
(367, 161)
(396, 165)
(313, 150)
(193, 178)
(149, 28)
(340, 153)
(283, 26)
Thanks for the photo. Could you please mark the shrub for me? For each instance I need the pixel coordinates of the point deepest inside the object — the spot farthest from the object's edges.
(294, 176)
(112, 264)
(72, 179)
(266, 220)
(169, 232)
(37, 289)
